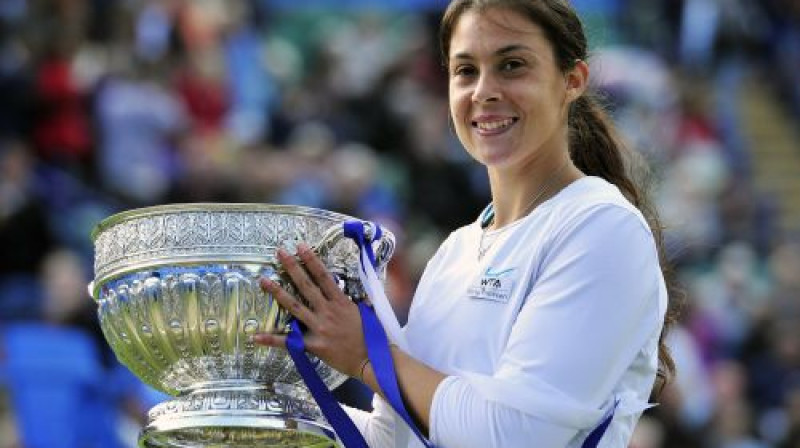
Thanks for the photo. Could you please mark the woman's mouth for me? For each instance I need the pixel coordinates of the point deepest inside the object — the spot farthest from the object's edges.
(493, 127)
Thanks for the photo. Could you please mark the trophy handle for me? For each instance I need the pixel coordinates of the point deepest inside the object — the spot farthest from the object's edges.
(383, 251)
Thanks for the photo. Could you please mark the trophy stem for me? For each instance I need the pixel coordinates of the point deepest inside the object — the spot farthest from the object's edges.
(238, 413)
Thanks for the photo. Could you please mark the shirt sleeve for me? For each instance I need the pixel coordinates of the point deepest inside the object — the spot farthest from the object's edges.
(595, 301)
(377, 426)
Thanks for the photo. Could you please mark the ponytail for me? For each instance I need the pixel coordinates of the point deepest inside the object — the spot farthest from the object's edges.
(597, 150)
(595, 147)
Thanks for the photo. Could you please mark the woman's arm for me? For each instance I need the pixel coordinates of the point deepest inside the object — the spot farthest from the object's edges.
(417, 382)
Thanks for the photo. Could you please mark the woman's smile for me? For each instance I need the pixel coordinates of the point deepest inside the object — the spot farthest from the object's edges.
(490, 125)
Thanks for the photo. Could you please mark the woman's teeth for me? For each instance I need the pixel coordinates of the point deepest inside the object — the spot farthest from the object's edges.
(494, 125)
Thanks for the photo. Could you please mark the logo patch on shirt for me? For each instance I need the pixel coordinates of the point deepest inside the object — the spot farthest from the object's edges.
(495, 285)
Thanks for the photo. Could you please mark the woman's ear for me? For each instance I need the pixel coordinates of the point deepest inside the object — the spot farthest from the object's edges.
(577, 80)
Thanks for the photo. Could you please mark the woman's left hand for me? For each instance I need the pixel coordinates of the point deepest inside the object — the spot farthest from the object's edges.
(333, 320)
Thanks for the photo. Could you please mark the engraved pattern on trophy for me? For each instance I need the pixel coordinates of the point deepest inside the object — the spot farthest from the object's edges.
(178, 298)
(248, 324)
(187, 285)
(129, 325)
(235, 401)
(153, 237)
(122, 339)
(133, 312)
(175, 326)
(144, 295)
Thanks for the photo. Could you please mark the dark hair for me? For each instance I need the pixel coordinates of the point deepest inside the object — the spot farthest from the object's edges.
(594, 145)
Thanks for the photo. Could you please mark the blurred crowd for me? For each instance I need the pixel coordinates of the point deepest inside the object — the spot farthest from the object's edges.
(107, 105)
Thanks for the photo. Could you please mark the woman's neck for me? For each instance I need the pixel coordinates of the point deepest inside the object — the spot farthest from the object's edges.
(516, 193)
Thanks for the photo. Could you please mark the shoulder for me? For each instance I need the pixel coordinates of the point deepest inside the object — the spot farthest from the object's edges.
(592, 220)
(594, 203)
(458, 240)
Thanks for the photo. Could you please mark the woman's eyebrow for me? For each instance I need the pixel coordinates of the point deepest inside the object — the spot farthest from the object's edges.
(512, 48)
(499, 52)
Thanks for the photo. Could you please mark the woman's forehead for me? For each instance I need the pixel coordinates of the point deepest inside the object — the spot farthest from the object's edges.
(493, 29)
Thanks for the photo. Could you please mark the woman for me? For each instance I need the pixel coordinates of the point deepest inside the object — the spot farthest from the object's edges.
(542, 319)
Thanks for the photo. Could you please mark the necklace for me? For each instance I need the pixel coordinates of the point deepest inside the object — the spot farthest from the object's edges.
(487, 217)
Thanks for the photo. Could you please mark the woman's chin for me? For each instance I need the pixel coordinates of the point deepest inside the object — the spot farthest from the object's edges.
(497, 159)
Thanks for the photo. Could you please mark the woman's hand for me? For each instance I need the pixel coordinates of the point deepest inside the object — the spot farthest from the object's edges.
(333, 320)
(335, 336)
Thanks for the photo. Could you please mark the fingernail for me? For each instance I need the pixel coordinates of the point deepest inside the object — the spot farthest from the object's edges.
(302, 248)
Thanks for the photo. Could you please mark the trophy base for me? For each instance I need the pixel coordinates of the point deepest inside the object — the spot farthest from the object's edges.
(238, 414)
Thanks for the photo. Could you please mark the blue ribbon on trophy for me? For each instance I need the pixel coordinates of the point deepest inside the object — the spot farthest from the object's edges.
(372, 317)
(377, 320)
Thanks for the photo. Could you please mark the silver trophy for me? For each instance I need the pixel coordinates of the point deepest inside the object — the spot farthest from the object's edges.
(178, 299)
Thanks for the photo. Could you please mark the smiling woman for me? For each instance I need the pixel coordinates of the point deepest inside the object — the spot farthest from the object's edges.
(508, 98)
(541, 323)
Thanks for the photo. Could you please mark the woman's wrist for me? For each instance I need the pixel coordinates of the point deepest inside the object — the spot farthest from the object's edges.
(362, 367)
(366, 372)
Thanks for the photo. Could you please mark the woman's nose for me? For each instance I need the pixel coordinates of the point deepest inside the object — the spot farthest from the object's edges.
(486, 90)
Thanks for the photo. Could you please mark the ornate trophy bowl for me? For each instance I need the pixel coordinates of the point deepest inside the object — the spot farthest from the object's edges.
(178, 299)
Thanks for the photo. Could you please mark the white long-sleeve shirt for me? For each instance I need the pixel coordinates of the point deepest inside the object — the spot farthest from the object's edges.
(541, 337)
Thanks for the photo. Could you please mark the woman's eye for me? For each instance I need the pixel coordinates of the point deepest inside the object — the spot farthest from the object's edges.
(464, 70)
(511, 65)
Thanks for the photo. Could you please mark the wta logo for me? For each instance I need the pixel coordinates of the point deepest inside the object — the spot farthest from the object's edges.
(494, 285)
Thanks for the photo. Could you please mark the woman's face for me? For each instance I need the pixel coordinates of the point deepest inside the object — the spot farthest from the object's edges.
(508, 98)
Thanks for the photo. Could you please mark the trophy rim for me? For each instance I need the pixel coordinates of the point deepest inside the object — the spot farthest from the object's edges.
(108, 268)
(248, 207)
